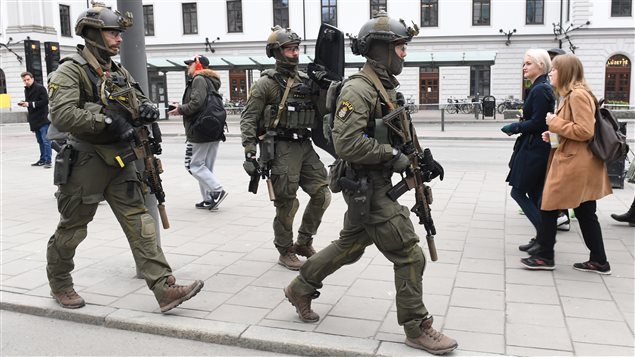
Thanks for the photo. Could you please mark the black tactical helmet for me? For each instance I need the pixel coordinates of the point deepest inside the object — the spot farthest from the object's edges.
(280, 37)
(381, 28)
(91, 22)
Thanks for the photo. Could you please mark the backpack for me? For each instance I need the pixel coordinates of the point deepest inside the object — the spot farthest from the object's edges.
(210, 125)
(608, 142)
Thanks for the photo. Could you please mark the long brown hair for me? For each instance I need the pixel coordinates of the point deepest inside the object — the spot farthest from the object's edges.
(570, 74)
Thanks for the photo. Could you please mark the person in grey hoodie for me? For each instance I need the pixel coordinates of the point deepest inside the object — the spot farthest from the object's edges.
(200, 153)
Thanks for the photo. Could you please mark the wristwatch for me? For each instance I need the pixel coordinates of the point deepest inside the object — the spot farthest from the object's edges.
(108, 120)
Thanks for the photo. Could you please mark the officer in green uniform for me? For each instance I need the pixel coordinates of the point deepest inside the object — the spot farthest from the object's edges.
(372, 217)
(82, 92)
(281, 109)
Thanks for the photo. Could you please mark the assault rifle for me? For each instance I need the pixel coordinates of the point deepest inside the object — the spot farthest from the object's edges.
(422, 169)
(118, 97)
(263, 170)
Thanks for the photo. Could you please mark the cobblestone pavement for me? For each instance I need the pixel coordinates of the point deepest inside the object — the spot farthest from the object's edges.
(477, 290)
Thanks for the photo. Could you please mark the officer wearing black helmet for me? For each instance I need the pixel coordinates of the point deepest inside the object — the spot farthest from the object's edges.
(281, 110)
(97, 101)
(372, 158)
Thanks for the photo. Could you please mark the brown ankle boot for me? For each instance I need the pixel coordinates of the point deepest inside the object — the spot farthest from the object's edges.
(68, 299)
(176, 294)
(289, 260)
(432, 340)
(302, 306)
(304, 250)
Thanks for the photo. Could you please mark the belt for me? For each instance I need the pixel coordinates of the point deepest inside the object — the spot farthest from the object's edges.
(293, 134)
(81, 146)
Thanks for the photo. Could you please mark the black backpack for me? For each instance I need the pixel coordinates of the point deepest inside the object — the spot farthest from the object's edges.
(210, 125)
(608, 142)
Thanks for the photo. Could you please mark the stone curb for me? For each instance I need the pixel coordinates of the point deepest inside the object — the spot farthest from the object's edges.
(218, 332)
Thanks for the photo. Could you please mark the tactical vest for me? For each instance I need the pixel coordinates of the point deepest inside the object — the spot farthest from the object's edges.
(91, 94)
(298, 110)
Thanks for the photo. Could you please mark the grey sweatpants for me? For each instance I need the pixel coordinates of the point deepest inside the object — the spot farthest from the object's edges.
(199, 162)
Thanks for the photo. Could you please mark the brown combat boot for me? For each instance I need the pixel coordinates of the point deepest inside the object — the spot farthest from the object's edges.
(68, 299)
(302, 306)
(432, 340)
(289, 260)
(304, 250)
(176, 294)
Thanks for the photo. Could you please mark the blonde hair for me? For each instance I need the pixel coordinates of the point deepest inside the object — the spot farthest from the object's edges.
(570, 74)
(541, 58)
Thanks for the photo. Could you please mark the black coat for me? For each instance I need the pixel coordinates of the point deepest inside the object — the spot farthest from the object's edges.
(38, 108)
(528, 164)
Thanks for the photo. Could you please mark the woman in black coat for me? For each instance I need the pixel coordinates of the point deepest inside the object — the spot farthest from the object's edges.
(528, 164)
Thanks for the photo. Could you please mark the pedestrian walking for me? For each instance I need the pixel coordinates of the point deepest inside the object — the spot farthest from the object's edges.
(528, 163)
(100, 131)
(37, 103)
(278, 116)
(201, 149)
(575, 177)
(372, 217)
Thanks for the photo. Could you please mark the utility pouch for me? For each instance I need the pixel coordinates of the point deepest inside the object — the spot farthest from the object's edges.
(337, 170)
(63, 163)
(270, 113)
(267, 147)
(359, 200)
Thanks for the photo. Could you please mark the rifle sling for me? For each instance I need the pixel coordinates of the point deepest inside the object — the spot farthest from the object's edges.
(284, 100)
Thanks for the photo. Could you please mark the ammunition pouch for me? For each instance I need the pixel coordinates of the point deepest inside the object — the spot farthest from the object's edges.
(295, 115)
(63, 164)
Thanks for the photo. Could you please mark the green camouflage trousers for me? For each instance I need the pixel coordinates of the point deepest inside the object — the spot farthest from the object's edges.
(296, 165)
(390, 229)
(90, 182)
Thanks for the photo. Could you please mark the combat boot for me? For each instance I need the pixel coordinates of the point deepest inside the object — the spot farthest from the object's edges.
(304, 250)
(289, 260)
(176, 294)
(68, 299)
(302, 305)
(432, 340)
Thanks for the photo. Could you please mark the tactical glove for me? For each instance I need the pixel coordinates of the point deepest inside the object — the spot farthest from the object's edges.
(118, 126)
(430, 167)
(148, 112)
(251, 164)
(399, 162)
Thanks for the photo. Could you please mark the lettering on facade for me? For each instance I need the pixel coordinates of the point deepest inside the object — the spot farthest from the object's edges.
(618, 62)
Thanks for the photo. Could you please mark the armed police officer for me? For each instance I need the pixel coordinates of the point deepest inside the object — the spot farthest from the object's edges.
(278, 116)
(97, 101)
(371, 159)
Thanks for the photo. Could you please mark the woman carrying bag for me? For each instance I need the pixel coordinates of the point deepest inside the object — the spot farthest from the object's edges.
(575, 177)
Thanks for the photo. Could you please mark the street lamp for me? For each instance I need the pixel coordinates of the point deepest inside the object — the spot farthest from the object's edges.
(559, 32)
(509, 35)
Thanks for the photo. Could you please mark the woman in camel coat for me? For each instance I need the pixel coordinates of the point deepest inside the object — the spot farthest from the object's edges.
(575, 177)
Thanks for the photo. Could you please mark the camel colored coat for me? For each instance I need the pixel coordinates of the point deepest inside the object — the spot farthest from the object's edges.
(574, 174)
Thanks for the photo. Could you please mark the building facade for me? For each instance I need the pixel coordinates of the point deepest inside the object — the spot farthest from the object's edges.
(232, 33)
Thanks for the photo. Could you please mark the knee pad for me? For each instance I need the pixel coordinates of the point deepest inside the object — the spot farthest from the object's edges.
(322, 197)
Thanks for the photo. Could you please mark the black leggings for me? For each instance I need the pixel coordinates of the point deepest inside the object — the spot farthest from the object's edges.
(589, 226)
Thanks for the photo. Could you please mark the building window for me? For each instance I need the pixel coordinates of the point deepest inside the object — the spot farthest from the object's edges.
(148, 20)
(376, 5)
(234, 16)
(329, 12)
(429, 13)
(190, 19)
(479, 81)
(281, 13)
(480, 12)
(621, 8)
(3, 83)
(617, 83)
(535, 10)
(65, 20)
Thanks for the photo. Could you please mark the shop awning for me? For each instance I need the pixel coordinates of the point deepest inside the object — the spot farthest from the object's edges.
(414, 59)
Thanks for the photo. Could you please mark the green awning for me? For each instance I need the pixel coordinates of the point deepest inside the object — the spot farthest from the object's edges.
(413, 59)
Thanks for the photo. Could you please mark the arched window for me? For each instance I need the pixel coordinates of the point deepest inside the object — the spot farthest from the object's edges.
(617, 84)
(3, 82)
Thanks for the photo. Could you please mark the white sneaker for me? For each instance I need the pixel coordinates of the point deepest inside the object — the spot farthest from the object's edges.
(563, 223)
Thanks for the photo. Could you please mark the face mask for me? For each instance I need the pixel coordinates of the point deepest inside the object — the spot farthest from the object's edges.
(395, 62)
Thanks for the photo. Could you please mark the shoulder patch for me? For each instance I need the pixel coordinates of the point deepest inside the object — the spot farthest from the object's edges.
(345, 109)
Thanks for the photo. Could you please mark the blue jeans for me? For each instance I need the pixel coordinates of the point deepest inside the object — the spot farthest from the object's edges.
(529, 202)
(45, 144)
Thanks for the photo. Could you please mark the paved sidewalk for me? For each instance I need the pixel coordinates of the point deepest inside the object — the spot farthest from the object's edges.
(477, 291)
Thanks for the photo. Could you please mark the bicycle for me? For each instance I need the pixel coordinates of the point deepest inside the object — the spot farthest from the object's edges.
(453, 106)
(509, 104)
